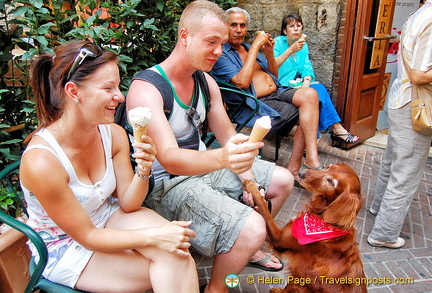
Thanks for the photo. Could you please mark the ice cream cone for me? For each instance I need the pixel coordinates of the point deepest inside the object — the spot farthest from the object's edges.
(260, 129)
(139, 118)
(264, 34)
(303, 37)
(139, 132)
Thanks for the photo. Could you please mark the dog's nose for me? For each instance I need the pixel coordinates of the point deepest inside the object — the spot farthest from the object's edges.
(302, 173)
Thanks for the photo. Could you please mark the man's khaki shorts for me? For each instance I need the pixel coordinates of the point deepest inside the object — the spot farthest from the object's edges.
(210, 201)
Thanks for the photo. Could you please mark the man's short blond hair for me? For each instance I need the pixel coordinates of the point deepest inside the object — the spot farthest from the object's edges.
(193, 14)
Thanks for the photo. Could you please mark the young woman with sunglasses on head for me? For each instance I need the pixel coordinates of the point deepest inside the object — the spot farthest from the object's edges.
(292, 57)
(83, 196)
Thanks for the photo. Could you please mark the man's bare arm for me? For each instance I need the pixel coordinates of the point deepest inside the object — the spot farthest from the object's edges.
(244, 78)
(420, 77)
(235, 155)
(268, 49)
(298, 45)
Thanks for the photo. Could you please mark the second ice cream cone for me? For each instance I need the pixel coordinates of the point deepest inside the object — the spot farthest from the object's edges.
(261, 127)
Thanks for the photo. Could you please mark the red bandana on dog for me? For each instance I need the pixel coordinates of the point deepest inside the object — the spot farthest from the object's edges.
(308, 229)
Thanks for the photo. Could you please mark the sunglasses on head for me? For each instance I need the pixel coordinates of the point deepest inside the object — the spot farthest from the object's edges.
(89, 50)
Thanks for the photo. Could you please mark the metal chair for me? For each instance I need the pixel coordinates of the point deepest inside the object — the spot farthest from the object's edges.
(37, 281)
(227, 87)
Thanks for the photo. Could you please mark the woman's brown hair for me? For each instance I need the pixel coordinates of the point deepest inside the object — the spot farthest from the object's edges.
(48, 76)
(288, 19)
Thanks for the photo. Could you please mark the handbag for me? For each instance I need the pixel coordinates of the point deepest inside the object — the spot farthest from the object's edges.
(421, 108)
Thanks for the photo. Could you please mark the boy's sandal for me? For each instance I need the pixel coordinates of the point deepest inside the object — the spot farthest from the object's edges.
(259, 263)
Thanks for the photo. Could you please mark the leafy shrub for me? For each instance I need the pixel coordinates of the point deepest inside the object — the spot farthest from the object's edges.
(11, 196)
(141, 32)
(6, 199)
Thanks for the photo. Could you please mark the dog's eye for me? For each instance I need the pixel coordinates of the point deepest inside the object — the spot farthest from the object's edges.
(330, 181)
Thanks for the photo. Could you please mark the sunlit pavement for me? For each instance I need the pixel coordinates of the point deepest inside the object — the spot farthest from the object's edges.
(404, 270)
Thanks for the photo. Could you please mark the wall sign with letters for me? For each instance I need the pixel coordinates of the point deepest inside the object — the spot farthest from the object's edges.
(382, 33)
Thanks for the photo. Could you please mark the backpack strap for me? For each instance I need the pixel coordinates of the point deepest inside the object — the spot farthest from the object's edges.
(204, 86)
(162, 85)
(202, 81)
(167, 95)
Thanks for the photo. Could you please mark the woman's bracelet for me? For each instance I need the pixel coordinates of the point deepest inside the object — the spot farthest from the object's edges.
(142, 176)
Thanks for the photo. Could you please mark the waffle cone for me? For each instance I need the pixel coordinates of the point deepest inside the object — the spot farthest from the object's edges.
(258, 133)
(139, 132)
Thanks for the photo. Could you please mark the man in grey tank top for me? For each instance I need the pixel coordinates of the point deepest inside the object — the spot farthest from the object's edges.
(205, 185)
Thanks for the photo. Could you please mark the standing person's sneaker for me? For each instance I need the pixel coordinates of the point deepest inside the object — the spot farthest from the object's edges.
(395, 245)
(374, 212)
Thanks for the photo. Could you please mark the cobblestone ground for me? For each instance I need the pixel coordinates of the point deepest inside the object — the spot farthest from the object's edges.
(411, 266)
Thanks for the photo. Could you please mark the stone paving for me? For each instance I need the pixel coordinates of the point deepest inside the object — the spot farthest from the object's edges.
(411, 265)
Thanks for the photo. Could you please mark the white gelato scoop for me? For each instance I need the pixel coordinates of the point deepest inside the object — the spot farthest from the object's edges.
(139, 117)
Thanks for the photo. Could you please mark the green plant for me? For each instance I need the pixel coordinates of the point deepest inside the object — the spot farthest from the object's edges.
(10, 195)
(6, 200)
(16, 112)
(141, 32)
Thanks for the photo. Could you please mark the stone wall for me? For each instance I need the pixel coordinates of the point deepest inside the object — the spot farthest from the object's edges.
(322, 21)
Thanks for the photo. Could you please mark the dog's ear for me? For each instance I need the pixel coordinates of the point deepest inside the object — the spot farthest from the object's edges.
(343, 210)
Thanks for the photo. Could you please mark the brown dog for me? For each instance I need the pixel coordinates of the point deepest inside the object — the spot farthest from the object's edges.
(320, 244)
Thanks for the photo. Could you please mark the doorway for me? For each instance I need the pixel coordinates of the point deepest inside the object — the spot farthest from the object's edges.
(365, 49)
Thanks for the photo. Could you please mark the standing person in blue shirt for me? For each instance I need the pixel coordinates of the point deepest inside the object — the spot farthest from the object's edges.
(244, 66)
(292, 57)
(407, 150)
